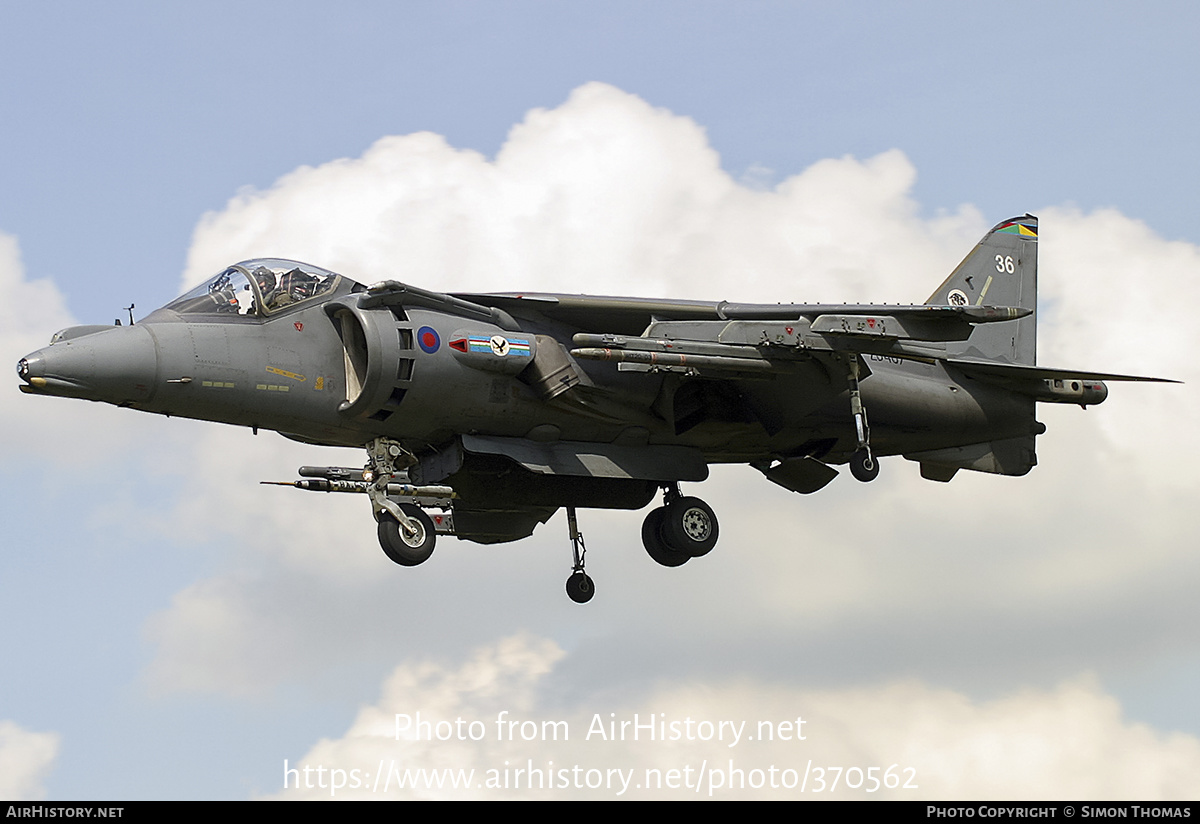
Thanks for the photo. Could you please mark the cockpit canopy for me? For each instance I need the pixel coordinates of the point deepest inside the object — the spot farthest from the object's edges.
(257, 288)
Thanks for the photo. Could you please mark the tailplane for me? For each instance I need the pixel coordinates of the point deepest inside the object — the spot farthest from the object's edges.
(1000, 271)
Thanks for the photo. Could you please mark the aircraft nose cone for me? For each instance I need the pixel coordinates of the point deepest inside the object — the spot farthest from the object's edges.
(117, 365)
(30, 367)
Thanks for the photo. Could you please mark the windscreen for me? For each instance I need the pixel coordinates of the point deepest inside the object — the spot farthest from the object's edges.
(255, 288)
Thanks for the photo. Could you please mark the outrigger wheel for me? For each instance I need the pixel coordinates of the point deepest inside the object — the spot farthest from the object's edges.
(864, 466)
(580, 587)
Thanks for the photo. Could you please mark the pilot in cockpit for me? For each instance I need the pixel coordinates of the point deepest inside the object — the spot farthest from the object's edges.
(267, 287)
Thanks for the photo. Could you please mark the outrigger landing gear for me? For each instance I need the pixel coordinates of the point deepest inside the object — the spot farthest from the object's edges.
(580, 587)
(863, 465)
(682, 529)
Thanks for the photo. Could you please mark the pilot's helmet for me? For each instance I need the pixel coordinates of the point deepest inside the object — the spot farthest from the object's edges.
(265, 279)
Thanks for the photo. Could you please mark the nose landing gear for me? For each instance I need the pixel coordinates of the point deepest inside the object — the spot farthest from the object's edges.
(406, 533)
(407, 547)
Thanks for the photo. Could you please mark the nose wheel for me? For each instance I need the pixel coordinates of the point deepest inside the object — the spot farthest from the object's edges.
(407, 547)
(406, 533)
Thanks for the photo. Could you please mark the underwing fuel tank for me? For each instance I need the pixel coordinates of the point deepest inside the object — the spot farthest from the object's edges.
(113, 364)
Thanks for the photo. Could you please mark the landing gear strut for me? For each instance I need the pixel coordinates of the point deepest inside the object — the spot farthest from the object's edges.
(580, 588)
(682, 529)
(406, 533)
(863, 465)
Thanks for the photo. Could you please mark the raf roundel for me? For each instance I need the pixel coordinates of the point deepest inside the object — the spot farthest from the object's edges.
(428, 340)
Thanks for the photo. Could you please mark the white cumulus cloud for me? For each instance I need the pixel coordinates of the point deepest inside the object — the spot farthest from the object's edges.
(604, 194)
(486, 724)
(26, 758)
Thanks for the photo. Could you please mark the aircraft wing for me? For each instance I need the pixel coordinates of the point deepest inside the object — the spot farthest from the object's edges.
(748, 340)
(1045, 384)
(631, 316)
(1020, 371)
(837, 336)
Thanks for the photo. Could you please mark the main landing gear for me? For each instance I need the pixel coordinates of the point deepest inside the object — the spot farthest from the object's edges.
(682, 529)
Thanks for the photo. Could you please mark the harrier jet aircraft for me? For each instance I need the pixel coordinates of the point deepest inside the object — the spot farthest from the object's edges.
(492, 411)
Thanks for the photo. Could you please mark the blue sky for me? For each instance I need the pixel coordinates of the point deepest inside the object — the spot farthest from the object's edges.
(125, 125)
(141, 116)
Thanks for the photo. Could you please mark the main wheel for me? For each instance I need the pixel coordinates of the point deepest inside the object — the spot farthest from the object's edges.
(653, 541)
(864, 466)
(404, 549)
(580, 588)
(689, 526)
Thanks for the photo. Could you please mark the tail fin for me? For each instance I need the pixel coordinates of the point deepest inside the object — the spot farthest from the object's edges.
(1000, 271)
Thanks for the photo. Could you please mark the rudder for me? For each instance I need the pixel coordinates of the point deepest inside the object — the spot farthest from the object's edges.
(1000, 271)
